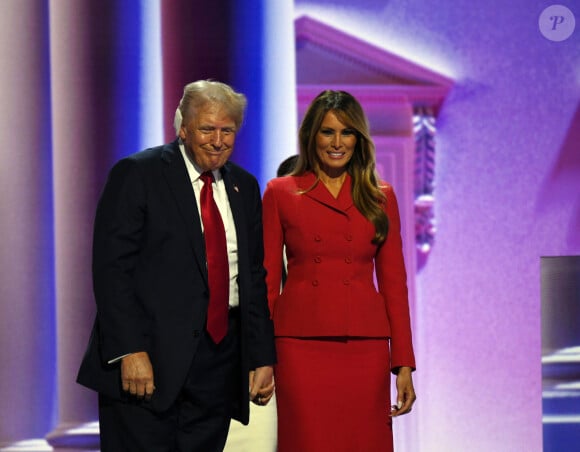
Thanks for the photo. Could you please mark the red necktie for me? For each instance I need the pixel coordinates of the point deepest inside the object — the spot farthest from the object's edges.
(217, 261)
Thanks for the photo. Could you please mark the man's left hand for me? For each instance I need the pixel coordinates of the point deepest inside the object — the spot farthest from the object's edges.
(262, 385)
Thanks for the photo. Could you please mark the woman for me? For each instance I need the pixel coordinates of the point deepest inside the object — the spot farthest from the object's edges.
(337, 337)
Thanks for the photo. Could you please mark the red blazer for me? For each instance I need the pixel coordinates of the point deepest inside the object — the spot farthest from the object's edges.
(332, 264)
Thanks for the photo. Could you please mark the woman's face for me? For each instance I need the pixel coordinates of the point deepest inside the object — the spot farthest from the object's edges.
(335, 143)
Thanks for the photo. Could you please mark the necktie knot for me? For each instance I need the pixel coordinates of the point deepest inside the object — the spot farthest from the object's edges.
(207, 177)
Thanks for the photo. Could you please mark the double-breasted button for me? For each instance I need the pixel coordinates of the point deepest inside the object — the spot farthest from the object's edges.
(348, 237)
(348, 260)
(315, 282)
(317, 259)
(346, 281)
(317, 238)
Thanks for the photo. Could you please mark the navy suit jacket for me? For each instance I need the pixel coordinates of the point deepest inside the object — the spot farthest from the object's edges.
(150, 275)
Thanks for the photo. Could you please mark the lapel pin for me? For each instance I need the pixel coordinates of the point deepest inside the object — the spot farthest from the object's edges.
(236, 189)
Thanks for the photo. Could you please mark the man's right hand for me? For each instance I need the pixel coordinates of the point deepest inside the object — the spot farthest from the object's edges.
(137, 375)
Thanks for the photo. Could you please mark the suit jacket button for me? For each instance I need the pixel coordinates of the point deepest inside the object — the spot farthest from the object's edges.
(348, 260)
(317, 259)
(195, 333)
(346, 282)
(317, 238)
(315, 282)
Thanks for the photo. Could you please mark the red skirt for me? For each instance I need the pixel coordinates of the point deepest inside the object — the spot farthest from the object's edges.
(333, 395)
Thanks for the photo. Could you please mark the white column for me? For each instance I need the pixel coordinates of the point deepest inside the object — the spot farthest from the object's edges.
(75, 194)
(151, 126)
(280, 129)
(27, 350)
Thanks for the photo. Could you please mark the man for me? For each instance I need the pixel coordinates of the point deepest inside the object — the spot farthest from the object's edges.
(182, 338)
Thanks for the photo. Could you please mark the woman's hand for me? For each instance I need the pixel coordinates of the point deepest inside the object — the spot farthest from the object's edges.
(405, 392)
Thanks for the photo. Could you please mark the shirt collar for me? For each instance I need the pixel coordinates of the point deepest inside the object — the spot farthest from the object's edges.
(194, 170)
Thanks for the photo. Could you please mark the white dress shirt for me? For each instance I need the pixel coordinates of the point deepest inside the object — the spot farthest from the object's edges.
(221, 198)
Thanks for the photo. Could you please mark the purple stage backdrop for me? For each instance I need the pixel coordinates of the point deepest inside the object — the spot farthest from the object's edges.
(85, 82)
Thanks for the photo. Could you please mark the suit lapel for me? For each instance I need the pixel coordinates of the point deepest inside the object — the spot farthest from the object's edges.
(180, 185)
(321, 194)
(236, 203)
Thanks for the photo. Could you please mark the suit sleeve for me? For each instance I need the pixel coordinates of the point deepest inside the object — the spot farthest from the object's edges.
(392, 282)
(261, 331)
(273, 243)
(118, 234)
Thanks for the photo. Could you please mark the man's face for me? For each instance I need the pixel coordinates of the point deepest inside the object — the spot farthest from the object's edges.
(209, 136)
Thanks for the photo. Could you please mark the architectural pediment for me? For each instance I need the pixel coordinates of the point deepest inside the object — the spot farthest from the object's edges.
(326, 56)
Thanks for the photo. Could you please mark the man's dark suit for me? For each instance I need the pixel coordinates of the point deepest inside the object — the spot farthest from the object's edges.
(150, 276)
